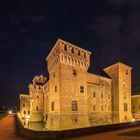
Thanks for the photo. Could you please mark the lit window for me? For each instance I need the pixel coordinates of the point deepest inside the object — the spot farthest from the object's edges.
(52, 106)
(55, 88)
(74, 105)
(81, 89)
(125, 107)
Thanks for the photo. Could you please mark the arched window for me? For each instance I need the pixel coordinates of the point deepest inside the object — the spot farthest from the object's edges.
(52, 106)
(74, 105)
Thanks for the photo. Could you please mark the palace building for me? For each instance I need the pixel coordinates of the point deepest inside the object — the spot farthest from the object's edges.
(71, 97)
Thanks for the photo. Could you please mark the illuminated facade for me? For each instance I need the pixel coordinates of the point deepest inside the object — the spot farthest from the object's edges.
(73, 98)
(136, 106)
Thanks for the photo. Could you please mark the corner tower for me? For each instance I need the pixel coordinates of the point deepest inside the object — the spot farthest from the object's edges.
(67, 66)
(121, 92)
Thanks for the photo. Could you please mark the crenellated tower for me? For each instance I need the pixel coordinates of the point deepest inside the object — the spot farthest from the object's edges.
(67, 67)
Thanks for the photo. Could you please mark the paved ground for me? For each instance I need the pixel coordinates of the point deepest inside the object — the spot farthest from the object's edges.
(8, 129)
(8, 132)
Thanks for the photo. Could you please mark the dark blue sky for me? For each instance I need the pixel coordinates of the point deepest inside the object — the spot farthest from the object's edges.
(28, 30)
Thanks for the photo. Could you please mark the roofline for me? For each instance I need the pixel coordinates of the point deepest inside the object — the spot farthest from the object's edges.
(117, 64)
(100, 76)
(67, 43)
(134, 96)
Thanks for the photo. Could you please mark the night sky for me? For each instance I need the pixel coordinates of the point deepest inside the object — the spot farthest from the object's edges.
(29, 29)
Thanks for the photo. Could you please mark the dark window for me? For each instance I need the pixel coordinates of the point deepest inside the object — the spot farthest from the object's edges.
(94, 94)
(85, 55)
(28, 112)
(72, 50)
(37, 97)
(23, 105)
(76, 119)
(79, 52)
(24, 112)
(101, 95)
(125, 107)
(94, 107)
(126, 71)
(74, 72)
(65, 47)
(55, 88)
(53, 74)
(81, 89)
(139, 106)
(108, 96)
(102, 107)
(37, 108)
(52, 106)
(74, 105)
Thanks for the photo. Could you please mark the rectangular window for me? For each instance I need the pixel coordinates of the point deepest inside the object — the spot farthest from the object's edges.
(94, 107)
(74, 72)
(94, 94)
(74, 105)
(139, 106)
(52, 106)
(101, 95)
(81, 89)
(102, 107)
(125, 107)
(55, 88)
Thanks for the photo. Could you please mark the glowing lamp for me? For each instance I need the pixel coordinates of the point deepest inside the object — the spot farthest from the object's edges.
(133, 120)
(10, 112)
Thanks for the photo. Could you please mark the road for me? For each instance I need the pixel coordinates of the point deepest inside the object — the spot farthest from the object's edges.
(8, 132)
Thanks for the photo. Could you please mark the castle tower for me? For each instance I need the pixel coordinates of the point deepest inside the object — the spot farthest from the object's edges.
(67, 66)
(36, 91)
(121, 91)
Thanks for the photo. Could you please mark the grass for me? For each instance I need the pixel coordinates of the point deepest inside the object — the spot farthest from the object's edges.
(135, 133)
(2, 114)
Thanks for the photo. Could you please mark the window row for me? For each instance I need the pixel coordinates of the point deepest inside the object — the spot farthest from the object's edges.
(81, 89)
(75, 51)
(102, 107)
(102, 95)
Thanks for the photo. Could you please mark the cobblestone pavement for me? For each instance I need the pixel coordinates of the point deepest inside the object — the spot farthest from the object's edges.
(8, 132)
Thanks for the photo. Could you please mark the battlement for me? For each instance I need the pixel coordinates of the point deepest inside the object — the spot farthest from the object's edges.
(67, 53)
